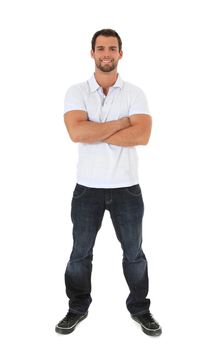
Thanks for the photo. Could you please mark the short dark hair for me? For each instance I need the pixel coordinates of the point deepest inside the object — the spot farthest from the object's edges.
(106, 32)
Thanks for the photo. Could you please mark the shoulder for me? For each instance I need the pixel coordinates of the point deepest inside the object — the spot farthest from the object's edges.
(79, 88)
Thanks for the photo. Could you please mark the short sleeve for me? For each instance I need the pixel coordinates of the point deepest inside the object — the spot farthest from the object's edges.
(139, 104)
(74, 99)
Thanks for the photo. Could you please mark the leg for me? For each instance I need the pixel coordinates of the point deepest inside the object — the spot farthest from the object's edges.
(127, 212)
(87, 211)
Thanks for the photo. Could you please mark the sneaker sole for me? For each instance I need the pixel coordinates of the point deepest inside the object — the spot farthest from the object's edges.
(71, 329)
(151, 332)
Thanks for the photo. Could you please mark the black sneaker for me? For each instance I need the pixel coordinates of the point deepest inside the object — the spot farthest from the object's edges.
(69, 322)
(148, 324)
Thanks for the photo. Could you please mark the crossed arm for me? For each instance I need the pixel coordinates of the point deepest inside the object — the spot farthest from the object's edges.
(138, 133)
(127, 131)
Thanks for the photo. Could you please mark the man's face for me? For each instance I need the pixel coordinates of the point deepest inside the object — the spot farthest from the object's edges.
(106, 54)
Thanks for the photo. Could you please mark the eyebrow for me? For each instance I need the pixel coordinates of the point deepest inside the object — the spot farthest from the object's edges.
(115, 47)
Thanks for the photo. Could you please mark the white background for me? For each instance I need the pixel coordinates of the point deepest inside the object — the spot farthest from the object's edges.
(171, 50)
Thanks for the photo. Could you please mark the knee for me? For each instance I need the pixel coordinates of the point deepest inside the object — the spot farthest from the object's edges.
(80, 254)
(133, 256)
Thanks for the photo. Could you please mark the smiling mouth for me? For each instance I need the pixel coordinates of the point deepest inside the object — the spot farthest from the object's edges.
(106, 61)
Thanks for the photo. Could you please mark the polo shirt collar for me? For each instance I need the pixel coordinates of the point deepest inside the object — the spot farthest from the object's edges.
(95, 86)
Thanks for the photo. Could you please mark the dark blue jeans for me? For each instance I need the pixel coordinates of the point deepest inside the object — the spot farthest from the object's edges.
(126, 208)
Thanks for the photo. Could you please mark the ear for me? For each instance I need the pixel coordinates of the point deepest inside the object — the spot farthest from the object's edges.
(92, 53)
(121, 54)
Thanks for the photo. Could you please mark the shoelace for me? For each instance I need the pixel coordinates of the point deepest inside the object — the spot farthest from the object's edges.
(69, 316)
(149, 317)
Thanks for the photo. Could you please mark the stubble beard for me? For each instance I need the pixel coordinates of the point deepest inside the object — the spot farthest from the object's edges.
(106, 67)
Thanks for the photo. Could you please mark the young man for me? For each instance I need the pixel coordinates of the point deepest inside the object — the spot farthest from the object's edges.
(108, 117)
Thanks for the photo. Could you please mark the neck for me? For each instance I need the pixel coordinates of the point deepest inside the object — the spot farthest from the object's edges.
(106, 79)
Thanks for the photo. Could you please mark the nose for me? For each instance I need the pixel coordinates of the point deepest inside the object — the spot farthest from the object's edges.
(107, 52)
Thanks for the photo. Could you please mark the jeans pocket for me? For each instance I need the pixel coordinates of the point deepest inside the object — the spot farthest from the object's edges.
(134, 190)
(79, 191)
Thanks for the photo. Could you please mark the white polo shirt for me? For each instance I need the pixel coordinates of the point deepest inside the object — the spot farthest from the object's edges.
(103, 165)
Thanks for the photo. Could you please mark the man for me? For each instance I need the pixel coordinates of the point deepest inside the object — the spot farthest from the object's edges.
(108, 118)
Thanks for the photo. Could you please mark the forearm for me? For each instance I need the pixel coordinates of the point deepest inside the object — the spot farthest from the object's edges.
(131, 136)
(90, 132)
